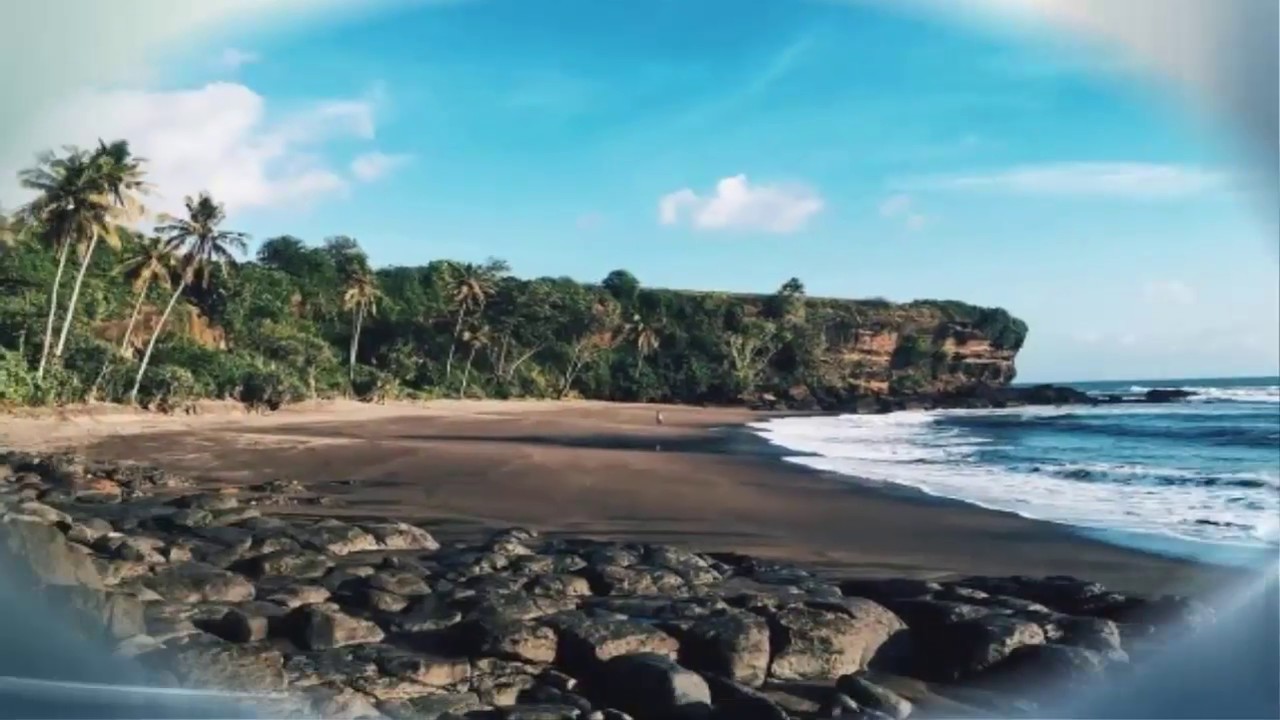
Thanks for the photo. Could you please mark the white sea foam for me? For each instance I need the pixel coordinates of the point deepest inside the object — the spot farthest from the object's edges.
(912, 449)
(1252, 394)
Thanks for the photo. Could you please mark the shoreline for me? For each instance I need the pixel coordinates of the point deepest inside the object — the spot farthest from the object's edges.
(594, 469)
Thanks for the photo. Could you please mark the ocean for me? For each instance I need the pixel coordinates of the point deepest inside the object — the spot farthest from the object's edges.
(1198, 478)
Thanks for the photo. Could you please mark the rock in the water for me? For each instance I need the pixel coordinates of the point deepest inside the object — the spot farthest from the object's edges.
(870, 695)
(316, 627)
(731, 643)
(38, 553)
(193, 582)
(818, 644)
(648, 685)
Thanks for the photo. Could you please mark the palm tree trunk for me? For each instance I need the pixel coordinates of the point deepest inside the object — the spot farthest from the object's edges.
(453, 344)
(151, 344)
(355, 341)
(467, 372)
(137, 307)
(53, 308)
(75, 296)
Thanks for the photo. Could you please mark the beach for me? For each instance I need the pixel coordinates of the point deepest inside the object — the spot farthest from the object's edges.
(699, 480)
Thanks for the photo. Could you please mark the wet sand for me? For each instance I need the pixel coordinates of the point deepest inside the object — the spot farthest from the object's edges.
(607, 470)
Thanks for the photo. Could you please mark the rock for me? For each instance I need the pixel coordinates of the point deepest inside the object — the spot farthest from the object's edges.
(335, 665)
(86, 531)
(292, 596)
(816, 644)
(520, 606)
(733, 701)
(193, 582)
(731, 643)
(114, 572)
(431, 670)
(541, 712)
(300, 564)
(586, 641)
(40, 554)
(923, 615)
(512, 640)
(99, 613)
(44, 513)
(400, 536)
(502, 682)
(1086, 632)
(869, 695)
(959, 650)
(367, 598)
(207, 501)
(889, 589)
(433, 707)
(335, 538)
(398, 582)
(425, 614)
(124, 547)
(243, 625)
(1031, 667)
(629, 580)
(559, 585)
(208, 663)
(332, 700)
(1166, 395)
(649, 685)
(99, 491)
(316, 627)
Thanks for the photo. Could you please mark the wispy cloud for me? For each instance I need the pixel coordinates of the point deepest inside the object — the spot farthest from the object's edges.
(1168, 292)
(374, 165)
(235, 58)
(901, 207)
(736, 204)
(1131, 180)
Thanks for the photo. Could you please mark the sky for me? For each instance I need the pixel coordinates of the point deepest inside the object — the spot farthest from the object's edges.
(866, 149)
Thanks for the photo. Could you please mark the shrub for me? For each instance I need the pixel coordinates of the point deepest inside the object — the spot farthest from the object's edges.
(17, 381)
(166, 387)
(270, 389)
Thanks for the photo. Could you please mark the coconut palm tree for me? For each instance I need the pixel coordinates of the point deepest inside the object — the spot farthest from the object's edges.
(68, 207)
(116, 179)
(202, 247)
(471, 286)
(153, 262)
(645, 335)
(474, 338)
(360, 297)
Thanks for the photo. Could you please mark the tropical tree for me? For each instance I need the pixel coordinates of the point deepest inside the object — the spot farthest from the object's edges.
(202, 247)
(470, 287)
(116, 184)
(152, 263)
(474, 338)
(360, 296)
(68, 205)
(8, 230)
(644, 333)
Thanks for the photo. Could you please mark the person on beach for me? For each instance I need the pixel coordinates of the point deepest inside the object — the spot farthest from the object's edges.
(657, 417)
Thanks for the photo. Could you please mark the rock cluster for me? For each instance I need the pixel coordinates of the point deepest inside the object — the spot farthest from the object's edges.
(375, 618)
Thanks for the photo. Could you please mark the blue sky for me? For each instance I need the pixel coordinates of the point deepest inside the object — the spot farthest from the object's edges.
(719, 145)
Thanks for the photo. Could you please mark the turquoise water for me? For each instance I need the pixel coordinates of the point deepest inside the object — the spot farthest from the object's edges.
(1199, 478)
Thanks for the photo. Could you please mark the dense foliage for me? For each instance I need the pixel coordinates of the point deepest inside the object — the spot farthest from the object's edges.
(171, 316)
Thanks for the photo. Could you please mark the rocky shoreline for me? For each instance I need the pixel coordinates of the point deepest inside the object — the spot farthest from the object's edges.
(250, 589)
(976, 397)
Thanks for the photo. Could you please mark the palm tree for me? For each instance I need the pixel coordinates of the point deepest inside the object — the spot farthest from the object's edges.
(67, 206)
(475, 338)
(152, 263)
(116, 177)
(471, 286)
(9, 229)
(360, 297)
(202, 246)
(645, 335)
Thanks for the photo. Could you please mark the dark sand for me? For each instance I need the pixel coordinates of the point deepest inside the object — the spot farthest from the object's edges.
(609, 471)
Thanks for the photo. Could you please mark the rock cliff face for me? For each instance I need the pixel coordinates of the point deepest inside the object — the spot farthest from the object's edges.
(877, 350)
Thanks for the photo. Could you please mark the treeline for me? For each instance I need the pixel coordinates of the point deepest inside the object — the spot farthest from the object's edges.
(92, 310)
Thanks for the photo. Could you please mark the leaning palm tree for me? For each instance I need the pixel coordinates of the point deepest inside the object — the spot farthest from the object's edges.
(471, 286)
(68, 206)
(360, 297)
(152, 263)
(116, 175)
(202, 247)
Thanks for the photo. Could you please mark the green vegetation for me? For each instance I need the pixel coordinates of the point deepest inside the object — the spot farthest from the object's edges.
(92, 309)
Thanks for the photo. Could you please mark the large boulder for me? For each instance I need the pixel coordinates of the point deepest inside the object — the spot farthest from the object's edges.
(33, 552)
(819, 644)
(335, 537)
(959, 650)
(317, 627)
(870, 695)
(194, 582)
(730, 643)
(205, 662)
(99, 613)
(649, 685)
(585, 641)
(288, 563)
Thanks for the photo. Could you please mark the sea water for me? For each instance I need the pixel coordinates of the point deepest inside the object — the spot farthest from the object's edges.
(1197, 478)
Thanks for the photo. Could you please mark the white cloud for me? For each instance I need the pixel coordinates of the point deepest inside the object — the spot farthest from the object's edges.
(901, 206)
(1168, 292)
(736, 204)
(218, 137)
(1134, 180)
(371, 166)
(235, 58)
